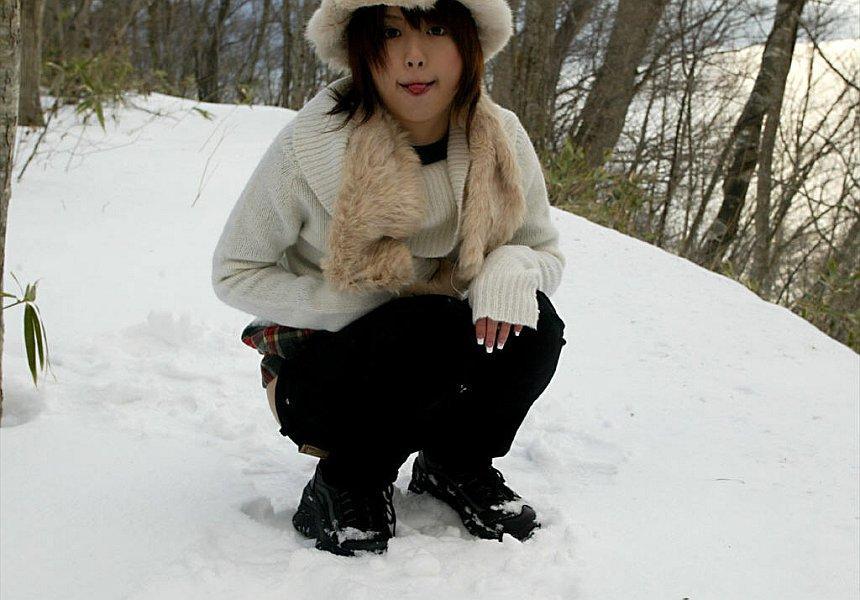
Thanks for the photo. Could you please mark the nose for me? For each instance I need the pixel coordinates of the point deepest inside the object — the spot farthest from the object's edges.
(414, 53)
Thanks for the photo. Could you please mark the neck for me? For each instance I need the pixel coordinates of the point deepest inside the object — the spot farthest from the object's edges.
(426, 132)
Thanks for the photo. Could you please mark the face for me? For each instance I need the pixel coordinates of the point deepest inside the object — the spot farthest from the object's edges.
(426, 55)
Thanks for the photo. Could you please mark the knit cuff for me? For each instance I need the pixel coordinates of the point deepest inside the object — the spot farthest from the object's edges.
(505, 295)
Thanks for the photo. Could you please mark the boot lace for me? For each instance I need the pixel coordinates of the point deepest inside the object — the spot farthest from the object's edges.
(487, 487)
(367, 509)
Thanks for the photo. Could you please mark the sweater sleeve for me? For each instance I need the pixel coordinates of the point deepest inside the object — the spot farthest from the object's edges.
(264, 222)
(506, 287)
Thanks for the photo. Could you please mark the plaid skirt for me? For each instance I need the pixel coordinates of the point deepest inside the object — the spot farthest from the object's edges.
(275, 342)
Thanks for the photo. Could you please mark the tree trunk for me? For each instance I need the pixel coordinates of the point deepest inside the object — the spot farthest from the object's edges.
(172, 56)
(191, 66)
(533, 98)
(761, 270)
(767, 91)
(30, 106)
(575, 19)
(208, 84)
(246, 82)
(504, 65)
(527, 72)
(9, 81)
(305, 64)
(675, 174)
(606, 107)
(78, 38)
(286, 62)
(155, 34)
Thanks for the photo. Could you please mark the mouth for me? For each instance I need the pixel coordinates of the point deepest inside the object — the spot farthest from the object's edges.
(418, 88)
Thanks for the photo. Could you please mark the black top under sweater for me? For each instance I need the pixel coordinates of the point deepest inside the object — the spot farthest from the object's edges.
(430, 153)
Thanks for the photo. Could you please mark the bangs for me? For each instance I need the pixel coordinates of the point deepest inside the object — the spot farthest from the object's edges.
(431, 16)
(366, 30)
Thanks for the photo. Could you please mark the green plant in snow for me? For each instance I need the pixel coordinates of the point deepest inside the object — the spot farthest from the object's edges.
(35, 338)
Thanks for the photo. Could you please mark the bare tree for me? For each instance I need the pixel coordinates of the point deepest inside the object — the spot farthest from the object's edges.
(78, 36)
(30, 105)
(305, 86)
(155, 32)
(247, 80)
(9, 90)
(746, 137)
(531, 98)
(503, 66)
(208, 59)
(286, 55)
(605, 111)
(526, 74)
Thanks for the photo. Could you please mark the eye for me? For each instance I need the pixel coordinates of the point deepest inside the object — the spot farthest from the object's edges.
(444, 31)
(387, 29)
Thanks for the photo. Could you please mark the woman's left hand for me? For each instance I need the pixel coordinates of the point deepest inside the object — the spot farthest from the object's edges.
(487, 334)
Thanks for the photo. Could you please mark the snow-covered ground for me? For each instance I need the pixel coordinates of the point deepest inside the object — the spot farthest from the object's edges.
(696, 441)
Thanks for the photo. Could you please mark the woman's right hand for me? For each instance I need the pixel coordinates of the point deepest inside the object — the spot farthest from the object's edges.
(487, 334)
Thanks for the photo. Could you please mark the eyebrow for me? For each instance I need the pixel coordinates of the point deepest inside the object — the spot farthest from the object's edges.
(390, 16)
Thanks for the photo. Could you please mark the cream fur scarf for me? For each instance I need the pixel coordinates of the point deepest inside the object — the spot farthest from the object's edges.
(381, 202)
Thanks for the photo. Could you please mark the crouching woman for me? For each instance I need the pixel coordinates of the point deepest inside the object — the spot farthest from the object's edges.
(395, 246)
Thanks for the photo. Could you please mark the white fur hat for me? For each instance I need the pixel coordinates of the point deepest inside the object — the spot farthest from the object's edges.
(326, 29)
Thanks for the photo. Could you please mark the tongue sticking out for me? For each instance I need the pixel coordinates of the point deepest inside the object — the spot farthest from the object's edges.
(416, 88)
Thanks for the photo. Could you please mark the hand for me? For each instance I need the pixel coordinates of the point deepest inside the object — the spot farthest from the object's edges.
(485, 331)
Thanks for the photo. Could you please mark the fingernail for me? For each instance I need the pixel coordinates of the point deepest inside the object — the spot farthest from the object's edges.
(516, 332)
(480, 341)
(489, 349)
(501, 346)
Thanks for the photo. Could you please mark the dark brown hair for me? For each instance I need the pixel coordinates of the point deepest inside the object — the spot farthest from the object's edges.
(366, 47)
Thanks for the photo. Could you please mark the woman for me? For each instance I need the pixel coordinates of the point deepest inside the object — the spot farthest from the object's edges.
(392, 237)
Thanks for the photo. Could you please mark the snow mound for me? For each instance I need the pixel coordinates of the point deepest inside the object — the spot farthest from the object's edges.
(695, 441)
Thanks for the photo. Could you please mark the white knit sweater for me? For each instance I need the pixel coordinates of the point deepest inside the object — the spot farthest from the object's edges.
(267, 259)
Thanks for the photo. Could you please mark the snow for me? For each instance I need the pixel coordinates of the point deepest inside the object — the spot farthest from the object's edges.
(351, 533)
(513, 507)
(696, 442)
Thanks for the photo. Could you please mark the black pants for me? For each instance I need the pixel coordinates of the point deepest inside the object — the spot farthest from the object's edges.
(410, 375)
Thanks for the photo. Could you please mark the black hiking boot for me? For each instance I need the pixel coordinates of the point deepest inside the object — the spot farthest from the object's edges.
(487, 507)
(345, 520)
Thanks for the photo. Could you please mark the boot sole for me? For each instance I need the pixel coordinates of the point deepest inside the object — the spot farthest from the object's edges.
(309, 522)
